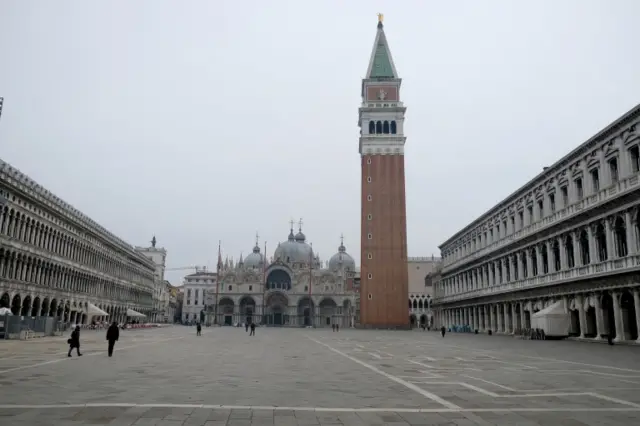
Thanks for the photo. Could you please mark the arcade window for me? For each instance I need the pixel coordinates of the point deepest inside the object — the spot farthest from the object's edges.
(369, 256)
(368, 197)
(368, 160)
(250, 288)
(369, 216)
(230, 287)
(369, 179)
(369, 236)
(370, 276)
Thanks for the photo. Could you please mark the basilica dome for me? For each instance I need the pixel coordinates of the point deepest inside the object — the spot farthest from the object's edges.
(295, 249)
(342, 260)
(255, 259)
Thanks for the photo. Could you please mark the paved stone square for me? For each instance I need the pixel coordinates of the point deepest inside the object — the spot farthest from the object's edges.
(315, 377)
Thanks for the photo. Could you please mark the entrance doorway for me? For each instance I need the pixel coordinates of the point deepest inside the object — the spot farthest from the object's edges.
(228, 320)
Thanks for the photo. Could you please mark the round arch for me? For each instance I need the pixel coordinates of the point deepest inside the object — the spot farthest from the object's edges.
(276, 309)
(278, 279)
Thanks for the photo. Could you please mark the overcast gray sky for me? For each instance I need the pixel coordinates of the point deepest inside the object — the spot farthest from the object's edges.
(210, 120)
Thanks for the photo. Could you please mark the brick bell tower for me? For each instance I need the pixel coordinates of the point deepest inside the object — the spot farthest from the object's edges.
(384, 290)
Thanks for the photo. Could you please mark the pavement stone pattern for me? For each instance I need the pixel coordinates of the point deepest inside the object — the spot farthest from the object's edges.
(317, 377)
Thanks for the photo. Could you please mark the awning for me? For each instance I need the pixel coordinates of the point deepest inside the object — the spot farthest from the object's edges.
(94, 310)
(132, 313)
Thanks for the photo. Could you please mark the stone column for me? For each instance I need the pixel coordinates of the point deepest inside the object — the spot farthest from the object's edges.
(608, 232)
(505, 306)
(576, 248)
(520, 265)
(514, 318)
(528, 259)
(523, 317)
(499, 318)
(592, 245)
(617, 315)
(581, 314)
(489, 272)
(539, 260)
(636, 304)
(631, 243)
(491, 324)
(599, 320)
(550, 263)
(476, 312)
(563, 253)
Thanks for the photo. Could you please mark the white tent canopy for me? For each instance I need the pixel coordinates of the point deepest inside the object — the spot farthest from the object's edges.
(94, 310)
(553, 320)
(132, 313)
(5, 311)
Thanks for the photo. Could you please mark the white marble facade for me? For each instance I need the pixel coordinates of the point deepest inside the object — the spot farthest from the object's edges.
(55, 261)
(294, 289)
(571, 234)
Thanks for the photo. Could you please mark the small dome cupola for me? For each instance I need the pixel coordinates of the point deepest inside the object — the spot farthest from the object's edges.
(255, 259)
(342, 260)
(300, 237)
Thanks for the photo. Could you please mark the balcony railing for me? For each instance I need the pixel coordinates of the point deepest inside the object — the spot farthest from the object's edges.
(558, 277)
(604, 195)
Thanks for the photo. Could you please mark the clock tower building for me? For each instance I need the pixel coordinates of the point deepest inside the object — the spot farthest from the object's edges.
(384, 276)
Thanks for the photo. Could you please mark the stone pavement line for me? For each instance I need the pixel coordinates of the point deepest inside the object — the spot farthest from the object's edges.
(533, 395)
(541, 358)
(404, 383)
(327, 409)
(507, 388)
(54, 361)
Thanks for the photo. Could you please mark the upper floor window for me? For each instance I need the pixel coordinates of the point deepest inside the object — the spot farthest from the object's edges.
(540, 209)
(565, 196)
(579, 189)
(634, 158)
(613, 170)
(521, 219)
(530, 214)
(552, 202)
(595, 180)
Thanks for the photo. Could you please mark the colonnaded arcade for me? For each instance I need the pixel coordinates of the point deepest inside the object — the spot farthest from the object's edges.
(295, 289)
(570, 235)
(57, 262)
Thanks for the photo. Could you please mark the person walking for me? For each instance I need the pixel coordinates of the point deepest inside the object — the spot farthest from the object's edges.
(199, 329)
(253, 330)
(74, 341)
(443, 330)
(113, 333)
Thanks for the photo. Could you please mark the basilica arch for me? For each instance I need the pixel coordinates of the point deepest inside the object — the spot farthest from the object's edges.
(247, 308)
(278, 279)
(276, 306)
(225, 310)
(306, 311)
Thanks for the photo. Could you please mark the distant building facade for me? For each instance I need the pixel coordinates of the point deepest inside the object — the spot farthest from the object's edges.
(294, 289)
(195, 290)
(420, 271)
(160, 297)
(571, 236)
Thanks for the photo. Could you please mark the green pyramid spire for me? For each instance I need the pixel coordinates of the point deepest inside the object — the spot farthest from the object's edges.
(381, 64)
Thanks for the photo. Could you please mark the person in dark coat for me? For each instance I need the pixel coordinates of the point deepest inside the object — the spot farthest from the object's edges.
(443, 330)
(198, 329)
(74, 341)
(113, 333)
(253, 330)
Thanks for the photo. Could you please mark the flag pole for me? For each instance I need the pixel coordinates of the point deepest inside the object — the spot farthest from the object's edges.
(311, 305)
(218, 279)
(264, 280)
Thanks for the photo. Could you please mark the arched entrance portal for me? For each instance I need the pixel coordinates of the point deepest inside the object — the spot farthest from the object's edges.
(412, 320)
(226, 310)
(306, 312)
(328, 310)
(247, 309)
(277, 309)
(278, 280)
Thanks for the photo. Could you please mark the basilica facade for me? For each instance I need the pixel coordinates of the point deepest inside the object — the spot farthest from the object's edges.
(293, 289)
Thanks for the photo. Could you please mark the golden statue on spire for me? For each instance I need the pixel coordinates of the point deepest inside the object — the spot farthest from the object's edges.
(380, 17)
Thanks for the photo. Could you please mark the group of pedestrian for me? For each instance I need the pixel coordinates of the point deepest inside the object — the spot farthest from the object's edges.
(335, 327)
(113, 334)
